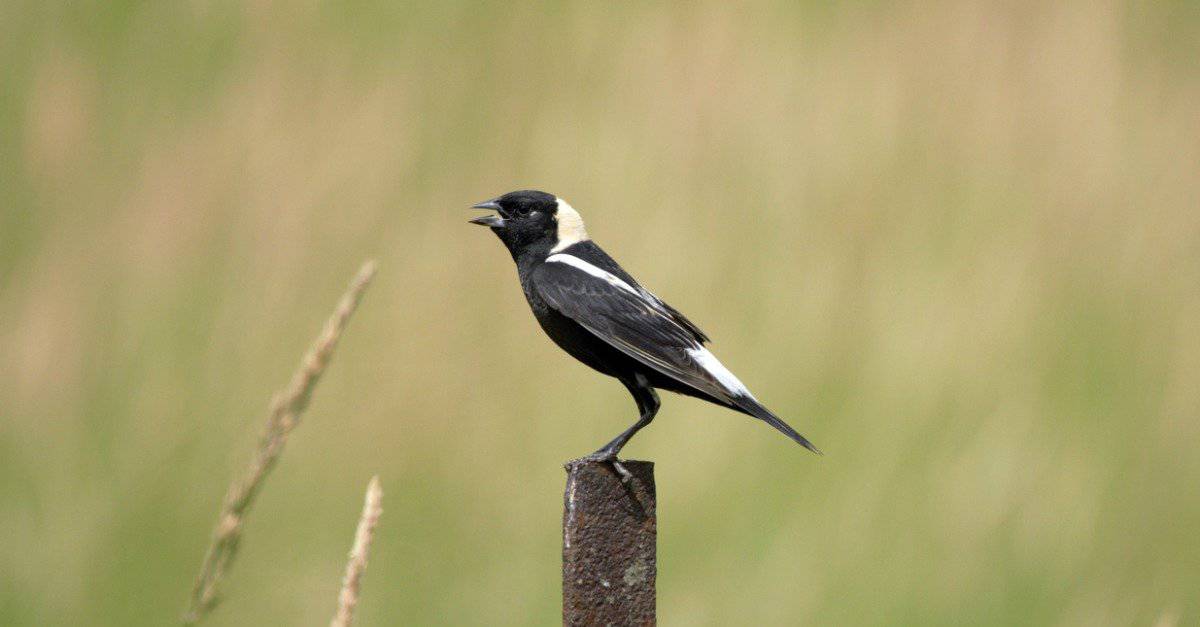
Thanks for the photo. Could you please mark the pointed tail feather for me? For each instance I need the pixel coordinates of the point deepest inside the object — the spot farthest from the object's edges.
(752, 407)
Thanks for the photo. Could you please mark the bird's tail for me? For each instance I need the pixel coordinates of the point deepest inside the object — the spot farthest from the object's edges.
(748, 405)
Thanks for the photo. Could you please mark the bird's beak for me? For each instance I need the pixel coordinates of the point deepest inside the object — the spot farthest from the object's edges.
(495, 222)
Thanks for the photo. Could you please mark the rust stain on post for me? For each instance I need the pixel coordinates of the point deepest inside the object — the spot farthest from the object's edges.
(609, 534)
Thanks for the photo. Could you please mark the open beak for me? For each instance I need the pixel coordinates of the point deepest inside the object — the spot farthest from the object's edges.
(494, 222)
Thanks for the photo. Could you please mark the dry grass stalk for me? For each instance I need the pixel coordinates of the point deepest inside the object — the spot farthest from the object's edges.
(348, 598)
(286, 408)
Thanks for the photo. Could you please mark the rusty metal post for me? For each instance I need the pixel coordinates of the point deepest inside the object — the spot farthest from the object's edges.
(609, 534)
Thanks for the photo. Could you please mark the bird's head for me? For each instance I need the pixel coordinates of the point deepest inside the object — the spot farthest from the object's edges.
(531, 220)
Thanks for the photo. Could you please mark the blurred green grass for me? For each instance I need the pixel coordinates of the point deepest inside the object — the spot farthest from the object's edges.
(956, 244)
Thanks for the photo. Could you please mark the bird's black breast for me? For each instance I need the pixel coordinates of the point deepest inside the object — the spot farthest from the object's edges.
(571, 336)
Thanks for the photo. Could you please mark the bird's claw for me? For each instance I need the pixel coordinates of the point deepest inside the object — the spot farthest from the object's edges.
(626, 476)
(604, 457)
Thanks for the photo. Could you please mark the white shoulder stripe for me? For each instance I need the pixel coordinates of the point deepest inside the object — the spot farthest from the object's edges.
(576, 262)
(709, 362)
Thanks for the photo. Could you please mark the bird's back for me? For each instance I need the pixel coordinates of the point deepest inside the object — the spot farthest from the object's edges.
(591, 252)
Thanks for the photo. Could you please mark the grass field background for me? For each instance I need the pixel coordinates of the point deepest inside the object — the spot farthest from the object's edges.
(957, 245)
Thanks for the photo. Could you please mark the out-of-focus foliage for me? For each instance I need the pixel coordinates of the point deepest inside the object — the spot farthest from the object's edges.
(957, 245)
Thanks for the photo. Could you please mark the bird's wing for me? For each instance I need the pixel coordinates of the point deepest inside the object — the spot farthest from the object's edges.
(678, 317)
(640, 326)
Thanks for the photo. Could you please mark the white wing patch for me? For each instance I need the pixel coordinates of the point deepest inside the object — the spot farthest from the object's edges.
(604, 275)
(570, 226)
(709, 362)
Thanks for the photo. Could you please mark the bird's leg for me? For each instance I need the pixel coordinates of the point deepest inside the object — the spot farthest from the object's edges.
(648, 404)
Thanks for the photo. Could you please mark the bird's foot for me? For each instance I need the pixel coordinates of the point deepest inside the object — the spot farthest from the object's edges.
(603, 456)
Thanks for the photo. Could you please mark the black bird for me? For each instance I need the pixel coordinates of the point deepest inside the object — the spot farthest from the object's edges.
(600, 315)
